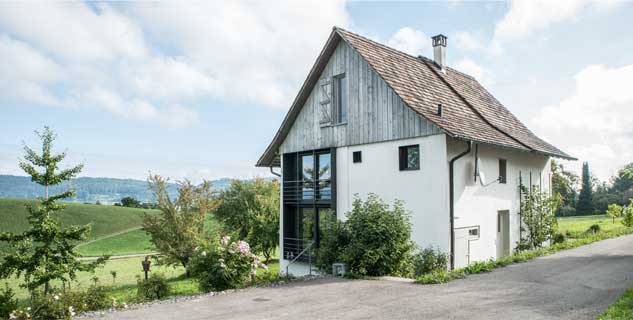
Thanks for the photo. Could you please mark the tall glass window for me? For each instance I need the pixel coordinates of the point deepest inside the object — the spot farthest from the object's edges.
(307, 176)
(325, 176)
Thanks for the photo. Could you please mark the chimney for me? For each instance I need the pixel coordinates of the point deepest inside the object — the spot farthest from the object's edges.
(439, 50)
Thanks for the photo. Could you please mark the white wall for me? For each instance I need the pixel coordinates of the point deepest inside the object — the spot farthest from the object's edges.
(424, 191)
(478, 205)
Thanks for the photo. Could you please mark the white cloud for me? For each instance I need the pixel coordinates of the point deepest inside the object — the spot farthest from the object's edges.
(594, 123)
(470, 67)
(256, 51)
(468, 41)
(528, 16)
(411, 41)
(157, 61)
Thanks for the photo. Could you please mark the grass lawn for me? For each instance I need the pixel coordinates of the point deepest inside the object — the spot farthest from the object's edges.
(124, 288)
(622, 309)
(130, 242)
(104, 219)
(579, 224)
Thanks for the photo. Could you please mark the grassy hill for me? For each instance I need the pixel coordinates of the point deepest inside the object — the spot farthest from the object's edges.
(105, 219)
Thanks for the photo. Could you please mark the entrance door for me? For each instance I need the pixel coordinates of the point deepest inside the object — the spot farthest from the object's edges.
(503, 233)
(462, 248)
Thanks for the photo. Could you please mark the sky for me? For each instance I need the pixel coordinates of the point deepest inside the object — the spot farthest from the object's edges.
(197, 90)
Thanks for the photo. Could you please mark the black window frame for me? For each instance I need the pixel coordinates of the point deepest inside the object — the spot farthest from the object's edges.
(339, 84)
(503, 171)
(357, 157)
(403, 155)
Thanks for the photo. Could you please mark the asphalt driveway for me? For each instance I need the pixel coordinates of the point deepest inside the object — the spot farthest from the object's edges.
(574, 284)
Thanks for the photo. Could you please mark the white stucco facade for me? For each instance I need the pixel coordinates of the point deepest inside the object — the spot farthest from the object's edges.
(423, 191)
(477, 205)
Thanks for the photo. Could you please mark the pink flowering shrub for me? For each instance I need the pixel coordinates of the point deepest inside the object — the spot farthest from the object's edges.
(226, 266)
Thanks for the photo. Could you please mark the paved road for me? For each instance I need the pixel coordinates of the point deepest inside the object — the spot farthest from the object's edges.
(574, 284)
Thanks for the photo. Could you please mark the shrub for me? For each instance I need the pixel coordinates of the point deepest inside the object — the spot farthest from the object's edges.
(44, 308)
(379, 238)
(566, 211)
(559, 238)
(8, 303)
(594, 228)
(334, 239)
(479, 267)
(229, 265)
(155, 287)
(436, 277)
(94, 298)
(429, 260)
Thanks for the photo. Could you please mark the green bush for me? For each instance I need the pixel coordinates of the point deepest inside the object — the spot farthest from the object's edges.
(8, 303)
(437, 277)
(334, 239)
(479, 267)
(229, 265)
(94, 298)
(44, 308)
(379, 238)
(155, 287)
(429, 260)
(594, 228)
(559, 238)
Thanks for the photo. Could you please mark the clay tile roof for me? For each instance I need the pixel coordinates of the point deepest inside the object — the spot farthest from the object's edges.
(469, 111)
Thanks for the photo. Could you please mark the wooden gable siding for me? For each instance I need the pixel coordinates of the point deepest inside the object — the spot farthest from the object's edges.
(374, 112)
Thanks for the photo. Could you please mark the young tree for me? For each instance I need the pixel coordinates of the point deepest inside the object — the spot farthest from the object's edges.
(585, 200)
(180, 228)
(564, 184)
(45, 251)
(627, 219)
(537, 210)
(251, 210)
(614, 211)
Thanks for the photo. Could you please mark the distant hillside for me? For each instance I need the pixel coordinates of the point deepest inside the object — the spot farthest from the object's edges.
(104, 190)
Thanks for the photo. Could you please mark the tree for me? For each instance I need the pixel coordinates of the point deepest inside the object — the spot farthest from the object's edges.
(180, 228)
(614, 211)
(585, 199)
(564, 185)
(537, 210)
(130, 202)
(45, 251)
(250, 210)
(627, 219)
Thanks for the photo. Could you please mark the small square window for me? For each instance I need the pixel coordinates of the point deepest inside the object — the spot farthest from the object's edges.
(357, 157)
(409, 157)
(473, 232)
(502, 171)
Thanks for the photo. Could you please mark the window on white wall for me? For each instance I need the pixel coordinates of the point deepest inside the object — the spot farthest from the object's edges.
(409, 157)
(357, 157)
(502, 171)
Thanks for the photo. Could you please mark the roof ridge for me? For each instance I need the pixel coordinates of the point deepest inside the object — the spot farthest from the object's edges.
(475, 109)
(419, 57)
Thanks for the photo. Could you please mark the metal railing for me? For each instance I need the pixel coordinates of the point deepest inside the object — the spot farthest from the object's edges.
(307, 191)
(298, 250)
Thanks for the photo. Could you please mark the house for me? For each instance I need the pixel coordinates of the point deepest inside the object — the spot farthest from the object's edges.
(371, 119)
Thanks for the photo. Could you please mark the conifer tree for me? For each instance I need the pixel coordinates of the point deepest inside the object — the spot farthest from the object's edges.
(585, 198)
(45, 251)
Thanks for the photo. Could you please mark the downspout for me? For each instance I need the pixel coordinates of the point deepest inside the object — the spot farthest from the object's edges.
(275, 173)
(452, 200)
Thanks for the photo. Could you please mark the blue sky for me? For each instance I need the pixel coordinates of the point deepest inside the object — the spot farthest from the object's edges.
(198, 90)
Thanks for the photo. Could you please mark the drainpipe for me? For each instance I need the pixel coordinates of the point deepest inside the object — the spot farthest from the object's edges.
(275, 173)
(452, 200)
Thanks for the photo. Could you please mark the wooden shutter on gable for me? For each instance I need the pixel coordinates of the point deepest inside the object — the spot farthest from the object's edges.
(325, 88)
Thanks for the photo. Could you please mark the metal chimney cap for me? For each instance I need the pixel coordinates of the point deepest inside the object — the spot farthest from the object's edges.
(439, 40)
